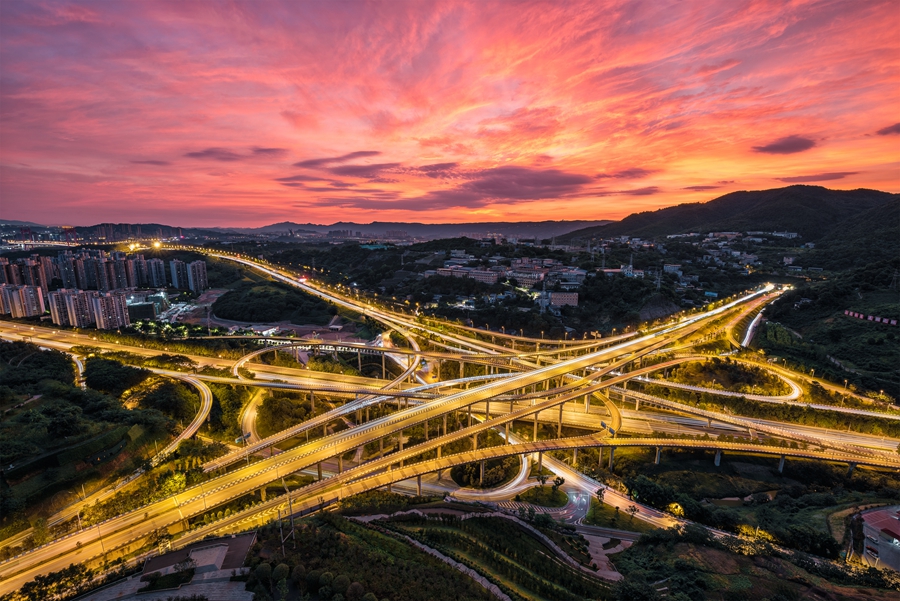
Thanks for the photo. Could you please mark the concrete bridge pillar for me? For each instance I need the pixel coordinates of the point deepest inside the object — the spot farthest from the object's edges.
(469, 408)
(419, 485)
(426, 429)
(445, 424)
(559, 423)
(383, 368)
(574, 456)
(262, 493)
(540, 461)
(312, 402)
(381, 447)
(324, 430)
(400, 439)
(718, 460)
(506, 427)
(587, 403)
(850, 468)
(367, 414)
(390, 487)
(462, 370)
(358, 416)
(612, 455)
(319, 469)
(534, 435)
(475, 442)
(487, 409)
(481, 478)
(340, 464)
(599, 457)
(781, 465)
(439, 452)
(637, 404)
(656, 461)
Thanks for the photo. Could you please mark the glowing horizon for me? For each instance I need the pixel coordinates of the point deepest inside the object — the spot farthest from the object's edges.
(246, 114)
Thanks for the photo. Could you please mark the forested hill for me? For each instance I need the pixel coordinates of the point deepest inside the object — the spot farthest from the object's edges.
(813, 212)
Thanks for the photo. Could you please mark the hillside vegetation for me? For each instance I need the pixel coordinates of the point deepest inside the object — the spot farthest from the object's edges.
(268, 302)
(812, 211)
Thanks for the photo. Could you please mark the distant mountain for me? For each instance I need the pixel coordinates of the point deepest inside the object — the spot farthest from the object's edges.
(811, 211)
(537, 229)
(13, 222)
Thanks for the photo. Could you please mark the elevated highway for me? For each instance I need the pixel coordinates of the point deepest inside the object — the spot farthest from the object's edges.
(579, 369)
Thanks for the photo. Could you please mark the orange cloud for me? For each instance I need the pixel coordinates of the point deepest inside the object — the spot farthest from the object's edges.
(198, 114)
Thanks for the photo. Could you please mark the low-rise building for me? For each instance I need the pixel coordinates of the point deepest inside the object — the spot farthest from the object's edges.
(881, 529)
(562, 299)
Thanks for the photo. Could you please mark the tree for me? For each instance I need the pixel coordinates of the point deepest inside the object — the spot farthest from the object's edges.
(263, 573)
(542, 478)
(340, 584)
(355, 591)
(298, 574)
(41, 532)
(281, 589)
(633, 510)
(600, 494)
(280, 572)
(557, 482)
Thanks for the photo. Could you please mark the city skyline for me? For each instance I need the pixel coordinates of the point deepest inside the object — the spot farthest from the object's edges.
(213, 114)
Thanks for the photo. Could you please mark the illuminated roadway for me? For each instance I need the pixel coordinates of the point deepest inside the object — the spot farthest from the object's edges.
(134, 526)
(139, 523)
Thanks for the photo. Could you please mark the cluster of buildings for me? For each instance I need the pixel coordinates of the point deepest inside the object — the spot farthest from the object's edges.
(95, 288)
(526, 271)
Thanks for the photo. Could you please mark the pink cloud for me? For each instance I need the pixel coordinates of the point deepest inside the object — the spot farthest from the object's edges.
(209, 113)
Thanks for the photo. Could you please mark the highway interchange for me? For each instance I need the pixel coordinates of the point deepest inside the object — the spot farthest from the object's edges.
(566, 382)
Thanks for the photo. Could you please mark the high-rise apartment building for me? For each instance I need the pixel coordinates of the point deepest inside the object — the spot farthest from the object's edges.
(110, 311)
(80, 308)
(179, 274)
(21, 301)
(65, 263)
(156, 273)
(196, 272)
(59, 314)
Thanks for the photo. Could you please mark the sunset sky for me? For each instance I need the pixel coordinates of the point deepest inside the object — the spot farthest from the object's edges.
(248, 113)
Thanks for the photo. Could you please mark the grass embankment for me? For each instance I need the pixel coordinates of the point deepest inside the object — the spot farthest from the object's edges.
(507, 554)
(336, 556)
(839, 346)
(791, 509)
(60, 438)
(732, 376)
(606, 516)
(268, 302)
(497, 472)
(693, 565)
(545, 496)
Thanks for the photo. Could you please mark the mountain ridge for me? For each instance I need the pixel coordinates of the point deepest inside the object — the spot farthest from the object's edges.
(811, 211)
